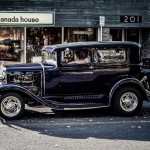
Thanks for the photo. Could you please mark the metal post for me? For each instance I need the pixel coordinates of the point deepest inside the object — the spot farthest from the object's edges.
(101, 24)
(101, 34)
(98, 36)
(62, 36)
(140, 36)
(123, 34)
(25, 43)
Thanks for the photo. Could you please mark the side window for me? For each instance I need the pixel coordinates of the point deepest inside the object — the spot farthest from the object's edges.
(111, 55)
(67, 56)
(77, 56)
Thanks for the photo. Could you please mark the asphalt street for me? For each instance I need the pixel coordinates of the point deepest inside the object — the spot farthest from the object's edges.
(42, 129)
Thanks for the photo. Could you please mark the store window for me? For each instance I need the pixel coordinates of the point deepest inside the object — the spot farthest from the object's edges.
(132, 35)
(11, 44)
(79, 34)
(116, 34)
(38, 37)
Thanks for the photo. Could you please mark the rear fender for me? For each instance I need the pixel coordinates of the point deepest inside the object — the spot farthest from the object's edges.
(127, 82)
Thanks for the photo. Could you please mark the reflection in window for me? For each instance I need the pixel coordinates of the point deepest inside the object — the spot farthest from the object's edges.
(10, 43)
(109, 56)
(80, 34)
(39, 37)
(49, 57)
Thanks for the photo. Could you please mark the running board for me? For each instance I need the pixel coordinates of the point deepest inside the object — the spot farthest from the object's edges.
(77, 99)
(76, 102)
(77, 106)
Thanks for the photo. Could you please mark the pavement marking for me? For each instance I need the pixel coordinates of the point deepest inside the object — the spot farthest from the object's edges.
(73, 123)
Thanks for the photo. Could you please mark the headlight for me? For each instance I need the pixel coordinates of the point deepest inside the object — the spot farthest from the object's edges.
(2, 74)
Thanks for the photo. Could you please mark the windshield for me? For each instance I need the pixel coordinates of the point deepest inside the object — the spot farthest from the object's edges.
(49, 57)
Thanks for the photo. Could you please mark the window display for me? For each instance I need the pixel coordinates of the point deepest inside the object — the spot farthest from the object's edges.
(39, 37)
(79, 34)
(10, 43)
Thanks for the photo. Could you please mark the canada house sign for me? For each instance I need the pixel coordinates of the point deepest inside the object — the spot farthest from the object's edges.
(27, 18)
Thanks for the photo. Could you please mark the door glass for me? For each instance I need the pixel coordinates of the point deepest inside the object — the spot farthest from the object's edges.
(79, 56)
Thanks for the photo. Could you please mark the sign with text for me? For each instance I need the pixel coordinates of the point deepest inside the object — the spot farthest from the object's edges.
(131, 19)
(26, 18)
(102, 21)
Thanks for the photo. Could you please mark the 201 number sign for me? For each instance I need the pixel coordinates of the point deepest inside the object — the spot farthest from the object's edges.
(131, 19)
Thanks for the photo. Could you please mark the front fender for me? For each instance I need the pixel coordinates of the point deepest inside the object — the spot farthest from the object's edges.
(17, 88)
(127, 82)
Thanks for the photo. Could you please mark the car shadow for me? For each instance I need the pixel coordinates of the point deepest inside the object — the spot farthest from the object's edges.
(99, 123)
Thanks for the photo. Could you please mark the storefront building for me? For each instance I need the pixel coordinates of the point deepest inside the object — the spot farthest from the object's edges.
(27, 25)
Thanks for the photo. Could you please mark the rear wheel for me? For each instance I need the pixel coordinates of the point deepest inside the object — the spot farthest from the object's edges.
(11, 106)
(127, 101)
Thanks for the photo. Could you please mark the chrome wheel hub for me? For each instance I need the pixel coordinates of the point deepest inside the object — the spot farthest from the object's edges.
(128, 101)
(10, 106)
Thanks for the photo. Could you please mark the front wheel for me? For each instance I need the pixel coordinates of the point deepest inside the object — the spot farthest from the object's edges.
(11, 106)
(127, 101)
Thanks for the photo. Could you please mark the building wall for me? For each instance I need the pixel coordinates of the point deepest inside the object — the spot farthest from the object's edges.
(85, 13)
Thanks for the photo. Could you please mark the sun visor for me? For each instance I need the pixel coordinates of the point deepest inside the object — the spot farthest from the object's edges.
(48, 48)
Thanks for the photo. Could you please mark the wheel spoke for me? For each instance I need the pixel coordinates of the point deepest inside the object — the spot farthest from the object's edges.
(10, 106)
(128, 101)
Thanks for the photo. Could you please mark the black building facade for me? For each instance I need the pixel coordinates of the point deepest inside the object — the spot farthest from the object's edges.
(74, 20)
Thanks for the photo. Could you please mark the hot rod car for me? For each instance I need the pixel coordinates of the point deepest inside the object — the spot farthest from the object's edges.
(114, 77)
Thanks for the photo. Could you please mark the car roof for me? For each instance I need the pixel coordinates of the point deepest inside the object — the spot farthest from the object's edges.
(57, 47)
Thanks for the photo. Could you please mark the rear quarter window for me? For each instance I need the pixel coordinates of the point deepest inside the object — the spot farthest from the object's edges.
(111, 55)
(135, 55)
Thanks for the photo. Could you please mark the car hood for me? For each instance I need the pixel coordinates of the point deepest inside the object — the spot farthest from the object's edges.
(29, 67)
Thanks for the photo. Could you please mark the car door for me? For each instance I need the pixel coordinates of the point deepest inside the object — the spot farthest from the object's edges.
(76, 79)
(109, 64)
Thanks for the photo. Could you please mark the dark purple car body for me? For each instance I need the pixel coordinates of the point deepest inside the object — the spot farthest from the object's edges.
(114, 77)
